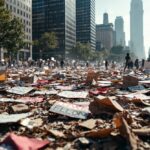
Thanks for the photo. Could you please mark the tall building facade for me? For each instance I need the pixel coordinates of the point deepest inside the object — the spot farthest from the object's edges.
(105, 34)
(119, 29)
(105, 19)
(22, 9)
(57, 16)
(85, 15)
(136, 28)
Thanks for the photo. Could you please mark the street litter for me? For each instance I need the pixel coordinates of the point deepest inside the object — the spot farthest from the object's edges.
(74, 108)
(70, 94)
(71, 110)
(4, 119)
(20, 90)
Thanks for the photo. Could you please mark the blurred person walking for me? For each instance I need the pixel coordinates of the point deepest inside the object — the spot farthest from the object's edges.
(62, 64)
(143, 63)
(136, 64)
(106, 64)
(127, 59)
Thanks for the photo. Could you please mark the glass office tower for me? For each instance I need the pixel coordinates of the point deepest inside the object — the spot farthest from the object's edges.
(85, 16)
(57, 16)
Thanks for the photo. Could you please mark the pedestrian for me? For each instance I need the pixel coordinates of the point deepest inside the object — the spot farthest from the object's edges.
(127, 59)
(106, 64)
(40, 63)
(130, 64)
(62, 64)
(143, 63)
(136, 64)
(87, 64)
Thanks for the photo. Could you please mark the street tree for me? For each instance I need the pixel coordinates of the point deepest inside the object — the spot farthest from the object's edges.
(81, 51)
(15, 36)
(47, 42)
(11, 31)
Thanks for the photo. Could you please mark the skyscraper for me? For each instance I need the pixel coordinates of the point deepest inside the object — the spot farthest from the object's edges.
(22, 9)
(105, 34)
(57, 16)
(105, 19)
(136, 28)
(85, 14)
(120, 34)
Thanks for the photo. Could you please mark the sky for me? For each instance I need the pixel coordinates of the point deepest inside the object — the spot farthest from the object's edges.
(122, 8)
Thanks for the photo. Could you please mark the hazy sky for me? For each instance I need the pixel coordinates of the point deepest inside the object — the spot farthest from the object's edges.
(122, 8)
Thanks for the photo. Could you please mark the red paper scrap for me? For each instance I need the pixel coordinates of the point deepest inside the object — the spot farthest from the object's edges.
(31, 100)
(42, 82)
(99, 91)
(23, 143)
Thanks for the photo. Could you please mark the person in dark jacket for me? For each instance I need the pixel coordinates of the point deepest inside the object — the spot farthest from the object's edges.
(136, 64)
(106, 64)
(127, 59)
(143, 63)
(130, 64)
(62, 64)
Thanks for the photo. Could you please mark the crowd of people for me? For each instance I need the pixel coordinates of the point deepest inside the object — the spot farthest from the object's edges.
(30, 63)
(52, 63)
(129, 63)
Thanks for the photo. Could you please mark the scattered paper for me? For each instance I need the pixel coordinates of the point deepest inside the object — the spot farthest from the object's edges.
(129, 135)
(57, 133)
(2, 73)
(70, 110)
(31, 99)
(104, 106)
(20, 90)
(20, 108)
(137, 96)
(130, 81)
(13, 118)
(70, 94)
(101, 133)
(31, 123)
(64, 88)
(23, 143)
(46, 92)
(92, 75)
(89, 124)
(136, 88)
(10, 100)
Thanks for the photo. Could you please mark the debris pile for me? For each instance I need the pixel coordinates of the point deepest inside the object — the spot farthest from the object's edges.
(74, 109)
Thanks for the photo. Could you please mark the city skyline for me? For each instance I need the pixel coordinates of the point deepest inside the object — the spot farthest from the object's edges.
(122, 8)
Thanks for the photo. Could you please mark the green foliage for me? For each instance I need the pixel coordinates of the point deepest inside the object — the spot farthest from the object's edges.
(117, 50)
(81, 51)
(101, 55)
(104, 53)
(48, 41)
(15, 36)
(11, 31)
(117, 53)
(1, 3)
